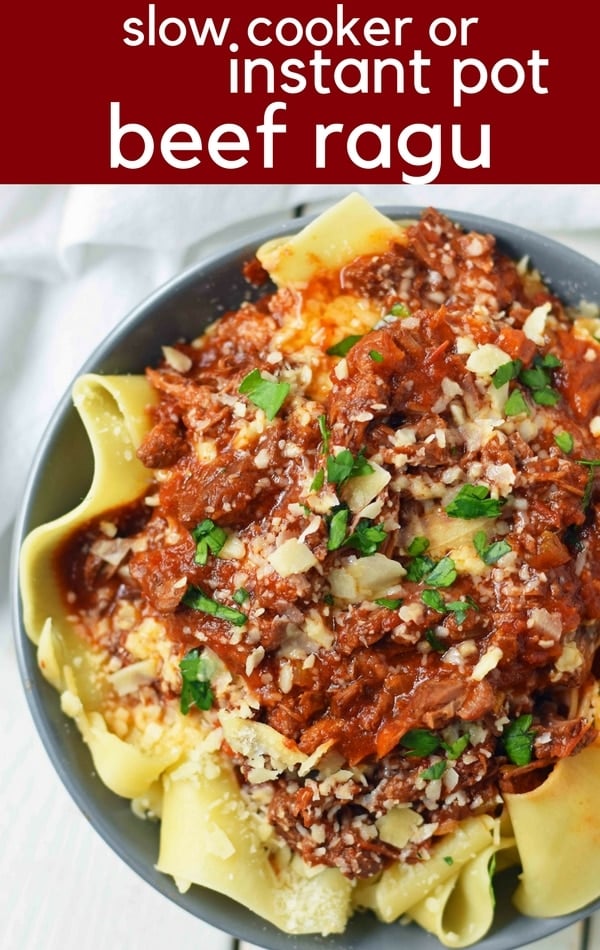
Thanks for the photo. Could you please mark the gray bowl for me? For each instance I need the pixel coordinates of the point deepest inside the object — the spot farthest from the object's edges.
(59, 478)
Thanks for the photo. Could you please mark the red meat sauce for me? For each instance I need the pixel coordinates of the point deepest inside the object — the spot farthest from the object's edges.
(383, 670)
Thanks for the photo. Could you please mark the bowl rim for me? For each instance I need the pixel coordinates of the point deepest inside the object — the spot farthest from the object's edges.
(216, 910)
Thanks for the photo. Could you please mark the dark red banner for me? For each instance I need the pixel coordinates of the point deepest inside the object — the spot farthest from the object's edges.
(174, 91)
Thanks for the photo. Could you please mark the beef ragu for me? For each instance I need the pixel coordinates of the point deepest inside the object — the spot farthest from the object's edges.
(375, 508)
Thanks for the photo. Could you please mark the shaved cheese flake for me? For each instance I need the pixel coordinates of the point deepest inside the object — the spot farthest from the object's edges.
(487, 662)
(129, 678)
(365, 578)
(292, 557)
(535, 324)
(486, 359)
(362, 489)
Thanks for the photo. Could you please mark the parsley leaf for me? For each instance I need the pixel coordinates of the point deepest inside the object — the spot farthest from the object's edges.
(455, 749)
(434, 641)
(418, 546)
(443, 574)
(418, 568)
(264, 393)
(345, 465)
(565, 442)
(506, 372)
(366, 537)
(318, 481)
(195, 687)
(448, 860)
(241, 595)
(420, 742)
(376, 356)
(460, 608)
(518, 738)
(338, 525)
(343, 346)
(399, 310)
(490, 553)
(538, 378)
(434, 771)
(195, 598)
(433, 599)
(325, 433)
(392, 603)
(209, 538)
(515, 404)
(473, 501)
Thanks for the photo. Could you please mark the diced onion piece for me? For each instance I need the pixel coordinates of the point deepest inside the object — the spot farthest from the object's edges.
(292, 557)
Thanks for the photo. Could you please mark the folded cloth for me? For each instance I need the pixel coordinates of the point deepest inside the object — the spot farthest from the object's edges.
(75, 259)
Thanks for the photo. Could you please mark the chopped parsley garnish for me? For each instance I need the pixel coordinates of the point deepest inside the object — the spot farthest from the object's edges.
(473, 501)
(518, 738)
(197, 600)
(460, 608)
(433, 599)
(264, 393)
(366, 537)
(434, 641)
(399, 310)
(318, 481)
(195, 676)
(443, 574)
(434, 771)
(490, 553)
(420, 742)
(538, 378)
(455, 749)
(448, 860)
(392, 603)
(506, 372)
(515, 404)
(376, 356)
(418, 546)
(343, 346)
(338, 526)
(209, 538)
(592, 464)
(325, 433)
(418, 568)
(565, 442)
(345, 465)
(545, 396)
(241, 595)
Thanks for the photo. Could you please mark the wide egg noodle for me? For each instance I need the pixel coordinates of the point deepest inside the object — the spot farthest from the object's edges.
(209, 837)
(350, 228)
(402, 887)
(558, 838)
(461, 911)
(113, 412)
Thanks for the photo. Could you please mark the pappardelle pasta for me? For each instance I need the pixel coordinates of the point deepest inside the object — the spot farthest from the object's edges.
(330, 609)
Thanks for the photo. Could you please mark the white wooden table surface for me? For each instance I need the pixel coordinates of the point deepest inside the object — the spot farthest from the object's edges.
(61, 888)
